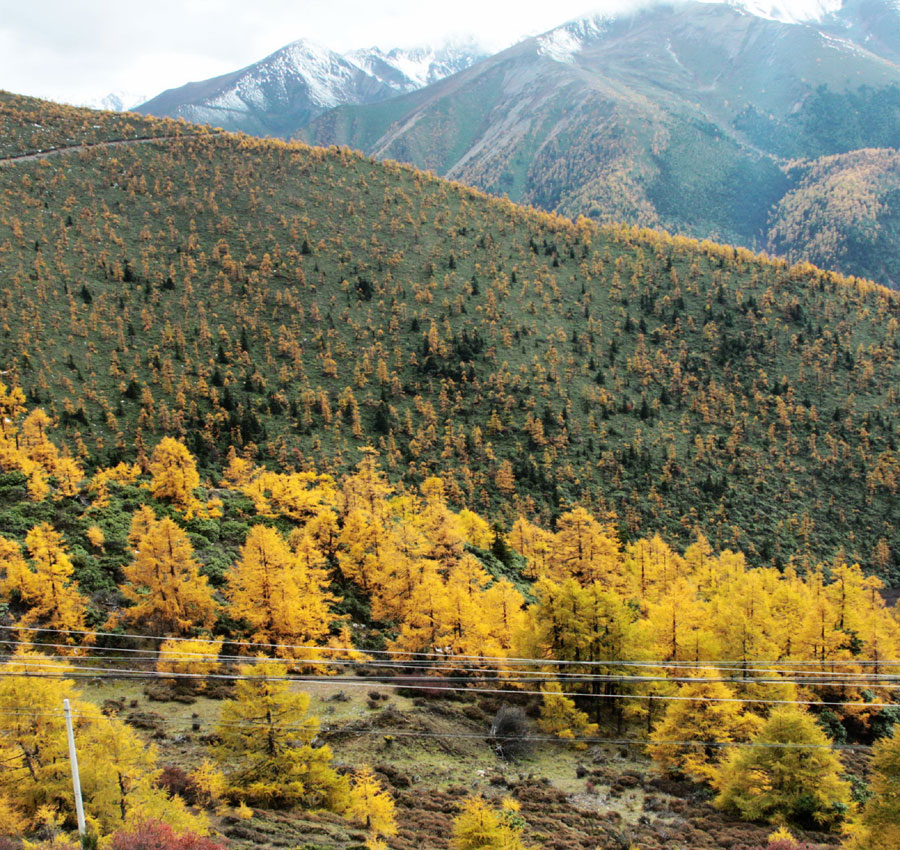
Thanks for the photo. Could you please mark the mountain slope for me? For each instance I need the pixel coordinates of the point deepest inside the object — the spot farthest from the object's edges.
(846, 210)
(678, 116)
(300, 303)
(298, 82)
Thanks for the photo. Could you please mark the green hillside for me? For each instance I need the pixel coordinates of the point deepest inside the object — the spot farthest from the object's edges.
(300, 303)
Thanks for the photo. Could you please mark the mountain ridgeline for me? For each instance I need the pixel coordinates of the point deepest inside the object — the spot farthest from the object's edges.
(707, 119)
(301, 303)
(302, 80)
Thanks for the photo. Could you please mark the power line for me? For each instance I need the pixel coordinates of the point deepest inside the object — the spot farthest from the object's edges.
(487, 736)
(65, 672)
(498, 659)
(884, 682)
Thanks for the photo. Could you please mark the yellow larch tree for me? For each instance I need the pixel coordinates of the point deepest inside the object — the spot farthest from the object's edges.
(189, 661)
(444, 539)
(878, 827)
(562, 718)
(533, 543)
(479, 826)
(169, 595)
(280, 592)
(174, 474)
(428, 614)
(705, 714)
(585, 550)
(789, 774)
(466, 630)
(370, 805)
(266, 747)
(503, 607)
(47, 587)
(297, 495)
(118, 770)
(654, 567)
(681, 626)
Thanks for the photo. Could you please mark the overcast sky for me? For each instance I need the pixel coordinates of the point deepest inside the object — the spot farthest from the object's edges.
(78, 51)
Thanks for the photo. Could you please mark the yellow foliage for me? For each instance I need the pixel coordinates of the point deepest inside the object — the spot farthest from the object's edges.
(560, 717)
(47, 588)
(281, 592)
(96, 536)
(209, 784)
(118, 771)
(369, 805)
(704, 712)
(167, 591)
(175, 475)
(191, 659)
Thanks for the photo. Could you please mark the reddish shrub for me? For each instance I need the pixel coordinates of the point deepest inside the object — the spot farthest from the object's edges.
(174, 780)
(153, 835)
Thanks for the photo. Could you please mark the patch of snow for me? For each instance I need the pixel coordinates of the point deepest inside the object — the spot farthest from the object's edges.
(841, 44)
(328, 76)
(229, 100)
(563, 43)
(416, 65)
(408, 69)
(787, 11)
(115, 101)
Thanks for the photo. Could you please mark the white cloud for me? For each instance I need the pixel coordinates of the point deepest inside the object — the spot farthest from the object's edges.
(81, 50)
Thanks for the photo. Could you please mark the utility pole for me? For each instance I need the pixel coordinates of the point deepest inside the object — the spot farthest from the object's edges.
(76, 780)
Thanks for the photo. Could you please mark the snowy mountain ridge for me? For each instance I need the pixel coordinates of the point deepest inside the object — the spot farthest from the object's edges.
(303, 79)
(417, 66)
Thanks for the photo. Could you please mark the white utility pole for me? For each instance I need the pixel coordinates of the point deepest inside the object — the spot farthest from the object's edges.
(73, 758)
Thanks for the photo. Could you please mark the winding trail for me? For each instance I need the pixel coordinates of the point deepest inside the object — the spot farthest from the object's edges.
(110, 143)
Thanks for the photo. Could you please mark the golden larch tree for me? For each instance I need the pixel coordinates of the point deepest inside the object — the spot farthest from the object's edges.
(174, 474)
(169, 596)
(279, 591)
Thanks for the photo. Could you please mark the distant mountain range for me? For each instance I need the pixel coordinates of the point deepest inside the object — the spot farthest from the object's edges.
(294, 85)
(702, 118)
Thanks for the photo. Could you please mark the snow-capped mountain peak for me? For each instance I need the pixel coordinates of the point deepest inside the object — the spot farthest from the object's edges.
(793, 12)
(408, 69)
(562, 43)
(115, 101)
(328, 75)
(303, 79)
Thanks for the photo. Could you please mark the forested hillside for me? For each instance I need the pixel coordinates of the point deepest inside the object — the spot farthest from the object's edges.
(351, 508)
(528, 650)
(298, 303)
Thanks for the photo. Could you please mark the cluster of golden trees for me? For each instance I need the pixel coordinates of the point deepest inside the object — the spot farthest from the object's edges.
(582, 597)
(265, 755)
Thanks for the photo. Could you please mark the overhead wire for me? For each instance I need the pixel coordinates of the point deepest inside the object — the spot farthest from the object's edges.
(63, 671)
(326, 731)
(453, 656)
(884, 682)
